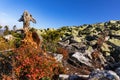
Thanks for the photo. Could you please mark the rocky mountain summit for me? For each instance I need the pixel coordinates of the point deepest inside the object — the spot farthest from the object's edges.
(86, 52)
(93, 46)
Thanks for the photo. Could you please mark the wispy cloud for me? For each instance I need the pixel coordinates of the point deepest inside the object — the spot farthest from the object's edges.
(4, 18)
(7, 19)
(3, 14)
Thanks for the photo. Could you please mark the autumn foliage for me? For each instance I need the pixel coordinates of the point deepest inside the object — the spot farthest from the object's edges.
(33, 65)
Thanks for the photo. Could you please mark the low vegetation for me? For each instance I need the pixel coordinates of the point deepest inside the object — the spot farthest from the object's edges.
(24, 61)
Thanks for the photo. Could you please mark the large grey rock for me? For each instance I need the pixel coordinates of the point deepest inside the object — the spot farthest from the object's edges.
(8, 37)
(58, 57)
(103, 75)
(81, 58)
(118, 71)
(72, 39)
(63, 77)
(112, 21)
(64, 44)
(79, 47)
(72, 77)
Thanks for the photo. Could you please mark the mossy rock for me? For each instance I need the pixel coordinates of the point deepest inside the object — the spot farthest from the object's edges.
(105, 47)
(81, 28)
(112, 22)
(115, 41)
(78, 39)
(90, 49)
(116, 32)
(74, 32)
(93, 42)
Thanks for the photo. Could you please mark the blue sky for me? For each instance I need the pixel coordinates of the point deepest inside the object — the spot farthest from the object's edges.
(58, 13)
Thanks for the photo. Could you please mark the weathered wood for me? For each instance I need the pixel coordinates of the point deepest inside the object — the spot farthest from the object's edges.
(26, 18)
(30, 38)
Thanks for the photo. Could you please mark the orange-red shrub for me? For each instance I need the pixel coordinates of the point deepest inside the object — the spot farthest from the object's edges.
(33, 65)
